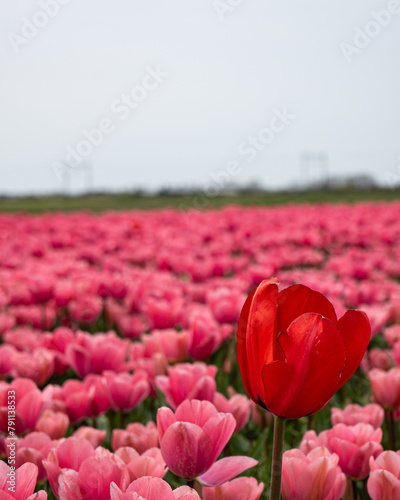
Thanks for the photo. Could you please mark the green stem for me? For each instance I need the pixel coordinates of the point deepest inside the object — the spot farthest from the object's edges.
(276, 472)
(390, 429)
(355, 492)
(364, 489)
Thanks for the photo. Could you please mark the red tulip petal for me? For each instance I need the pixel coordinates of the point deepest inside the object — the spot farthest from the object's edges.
(308, 378)
(299, 299)
(225, 470)
(256, 336)
(356, 333)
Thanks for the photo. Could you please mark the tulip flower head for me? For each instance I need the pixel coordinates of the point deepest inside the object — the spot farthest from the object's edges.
(315, 476)
(293, 352)
(384, 480)
(192, 439)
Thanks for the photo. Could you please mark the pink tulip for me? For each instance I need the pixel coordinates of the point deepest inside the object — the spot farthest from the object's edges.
(7, 354)
(89, 398)
(238, 405)
(152, 488)
(85, 309)
(161, 313)
(188, 381)
(54, 424)
(204, 336)
(113, 286)
(386, 387)
(94, 436)
(138, 436)
(93, 479)
(392, 334)
(311, 440)
(192, 439)
(25, 482)
(30, 404)
(225, 304)
(57, 342)
(155, 366)
(63, 292)
(70, 454)
(23, 338)
(169, 342)
(354, 414)
(315, 476)
(384, 479)
(241, 488)
(127, 391)
(41, 287)
(354, 444)
(6, 323)
(97, 353)
(37, 366)
(149, 463)
(34, 447)
(129, 326)
(380, 358)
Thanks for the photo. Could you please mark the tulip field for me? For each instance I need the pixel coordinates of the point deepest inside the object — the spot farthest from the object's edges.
(148, 354)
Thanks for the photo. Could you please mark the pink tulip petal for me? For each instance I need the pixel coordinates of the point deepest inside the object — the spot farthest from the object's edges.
(165, 418)
(187, 449)
(195, 411)
(185, 493)
(151, 488)
(219, 429)
(383, 484)
(225, 470)
(25, 480)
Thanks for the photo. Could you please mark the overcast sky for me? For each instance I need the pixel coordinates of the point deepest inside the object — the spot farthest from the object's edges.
(209, 85)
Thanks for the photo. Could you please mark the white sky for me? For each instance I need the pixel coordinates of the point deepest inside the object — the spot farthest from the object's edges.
(225, 79)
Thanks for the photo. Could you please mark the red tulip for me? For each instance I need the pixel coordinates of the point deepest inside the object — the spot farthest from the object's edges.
(293, 352)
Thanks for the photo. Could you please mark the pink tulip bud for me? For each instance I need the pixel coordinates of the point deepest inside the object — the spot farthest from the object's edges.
(353, 414)
(152, 488)
(54, 424)
(149, 463)
(25, 482)
(314, 476)
(127, 391)
(188, 381)
(386, 387)
(238, 405)
(354, 444)
(94, 436)
(384, 480)
(138, 436)
(34, 448)
(192, 439)
(241, 488)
